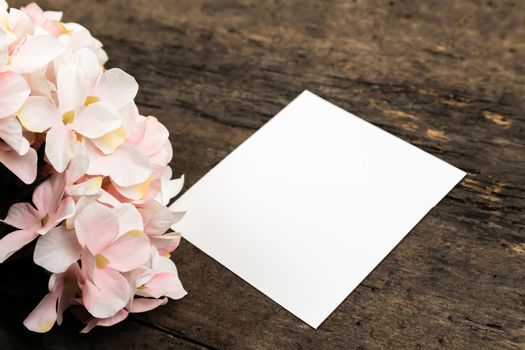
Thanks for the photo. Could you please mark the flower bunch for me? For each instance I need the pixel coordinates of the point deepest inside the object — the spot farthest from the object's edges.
(100, 215)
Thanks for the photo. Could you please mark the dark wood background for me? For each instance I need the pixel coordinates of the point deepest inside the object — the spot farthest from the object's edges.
(446, 76)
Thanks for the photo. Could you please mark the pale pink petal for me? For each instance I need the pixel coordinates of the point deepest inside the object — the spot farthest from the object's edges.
(48, 194)
(89, 67)
(102, 56)
(11, 133)
(148, 209)
(65, 210)
(137, 133)
(13, 92)
(88, 263)
(158, 218)
(110, 141)
(129, 251)
(35, 53)
(80, 36)
(38, 114)
(57, 250)
(22, 166)
(129, 218)
(80, 205)
(22, 216)
(21, 26)
(15, 16)
(40, 84)
(130, 116)
(140, 276)
(164, 155)
(154, 138)
(164, 264)
(108, 198)
(163, 284)
(145, 304)
(96, 227)
(110, 293)
(14, 241)
(41, 18)
(89, 187)
(116, 87)
(44, 316)
(34, 12)
(71, 90)
(166, 243)
(135, 192)
(126, 166)
(160, 171)
(105, 322)
(96, 120)
(60, 146)
(77, 167)
(169, 189)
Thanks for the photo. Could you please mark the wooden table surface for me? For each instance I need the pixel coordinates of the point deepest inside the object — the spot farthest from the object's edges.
(446, 76)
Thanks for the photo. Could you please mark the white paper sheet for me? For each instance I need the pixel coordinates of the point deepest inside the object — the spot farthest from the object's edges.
(308, 206)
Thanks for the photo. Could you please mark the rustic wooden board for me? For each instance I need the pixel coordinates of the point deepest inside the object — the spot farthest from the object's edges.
(447, 76)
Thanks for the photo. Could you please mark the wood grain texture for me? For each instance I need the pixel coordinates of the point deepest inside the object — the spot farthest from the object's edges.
(446, 76)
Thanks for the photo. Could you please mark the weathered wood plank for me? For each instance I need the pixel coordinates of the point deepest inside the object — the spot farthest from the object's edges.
(447, 76)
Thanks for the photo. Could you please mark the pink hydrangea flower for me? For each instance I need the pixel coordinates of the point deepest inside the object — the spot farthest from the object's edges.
(48, 211)
(100, 215)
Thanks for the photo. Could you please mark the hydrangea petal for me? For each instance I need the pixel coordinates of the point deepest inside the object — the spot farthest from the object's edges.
(96, 120)
(14, 241)
(57, 250)
(13, 92)
(22, 216)
(48, 194)
(39, 114)
(155, 136)
(96, 227)
(106, 322)
(110, 141)
(126, 166)
(60, 146)
(44, 316)
(71, 90)
(116, 87)
(109, 293)
(11, 133)
(22, 166)
(145, 304)
(118, 253)
(129, 218)
(35, 53)
(164, 284)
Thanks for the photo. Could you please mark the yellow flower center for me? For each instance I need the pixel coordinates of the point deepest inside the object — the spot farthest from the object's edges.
(134, 233)
(101, 261)
(45, 220)
(45, 326)
(68, 117)
(62, 28)
(91, 99)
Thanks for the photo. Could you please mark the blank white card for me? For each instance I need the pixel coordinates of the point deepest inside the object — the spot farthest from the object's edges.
(311, 203)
